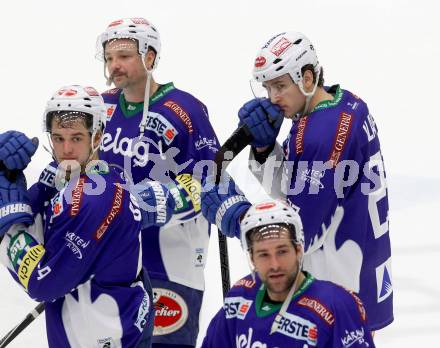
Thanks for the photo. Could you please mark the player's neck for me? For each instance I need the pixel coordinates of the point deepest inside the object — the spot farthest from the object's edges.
(319, 96)
(136, 93)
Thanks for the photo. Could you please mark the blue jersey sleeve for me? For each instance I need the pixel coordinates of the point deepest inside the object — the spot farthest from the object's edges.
(75, 233)
(351, 329)
(219, 333)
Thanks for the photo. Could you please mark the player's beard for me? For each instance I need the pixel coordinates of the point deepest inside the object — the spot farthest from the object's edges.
(284, 286)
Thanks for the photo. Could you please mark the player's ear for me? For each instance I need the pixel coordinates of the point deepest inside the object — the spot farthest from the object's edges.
(97, 139)
(149, 58)
(308, 80)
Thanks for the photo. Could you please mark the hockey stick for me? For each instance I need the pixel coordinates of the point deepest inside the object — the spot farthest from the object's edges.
(229, 150)
(20, 327)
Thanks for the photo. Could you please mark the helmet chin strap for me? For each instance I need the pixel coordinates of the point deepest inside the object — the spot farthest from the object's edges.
(308, 95)
(108, 79)
(143, 123)
(289, 296)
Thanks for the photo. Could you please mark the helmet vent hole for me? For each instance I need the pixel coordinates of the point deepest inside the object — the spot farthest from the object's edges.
(297, 42)
(276, 61)
(279, 68)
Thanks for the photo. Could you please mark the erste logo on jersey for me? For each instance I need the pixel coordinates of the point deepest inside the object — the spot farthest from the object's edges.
(299, 328)
(111, 108)
(237, 307)
(161, 126)
(171, 311)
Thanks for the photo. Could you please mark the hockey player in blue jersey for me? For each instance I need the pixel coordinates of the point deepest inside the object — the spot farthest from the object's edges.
(73, 240)
(280, 305)
(330, 166)
(158, 132)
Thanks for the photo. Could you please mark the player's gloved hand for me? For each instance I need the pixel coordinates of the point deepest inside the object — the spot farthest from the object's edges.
(14, 202)
(224, 204)
(263, 120)
(156, 203)
(16, 149)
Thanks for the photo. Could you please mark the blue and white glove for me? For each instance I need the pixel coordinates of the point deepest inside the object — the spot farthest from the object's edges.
(14, 203)
(224, 205)
(263, 120)
(156, 203)
(16, 149)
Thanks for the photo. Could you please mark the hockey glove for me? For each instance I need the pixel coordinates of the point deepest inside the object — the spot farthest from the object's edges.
(156, 203)
(223, 205)
(14, 203)
(16, 149)
(263, 120)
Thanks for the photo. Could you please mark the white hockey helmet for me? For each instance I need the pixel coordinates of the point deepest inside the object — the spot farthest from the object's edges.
(139, 29)
(271, 212)
(78, 99)
(285, 53)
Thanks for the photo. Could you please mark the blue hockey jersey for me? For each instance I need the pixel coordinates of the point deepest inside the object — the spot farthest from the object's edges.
(178, 139)
(82, 257)
(320, 314)
(331, 168)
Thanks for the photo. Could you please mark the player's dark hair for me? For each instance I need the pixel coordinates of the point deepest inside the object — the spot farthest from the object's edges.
(252, 235)
(60, 116)
(312, 70)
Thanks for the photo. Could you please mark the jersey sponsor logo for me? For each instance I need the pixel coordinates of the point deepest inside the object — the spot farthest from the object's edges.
(76, 244)
(161, 126)
(181, 113)
(359, 304)
(15, 208)
(192, 188)
(318, 308)
(114, 211)
(299, 139)
(237, 307)
(246, 341)
(342, 133)
(281, 46)
(171, 311)
(57, 206)
(112, 91)
(369, 127)
(106, 342)
(354, 336)
(77, 195)
(199, 257)
(47, 177)
(111, 108)
(260, 61)
(201, 143)
(245, 283)
(19, 245)
(313, 177)
(28, 264)
(299, 328)
(143, 313)
(384, 281)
